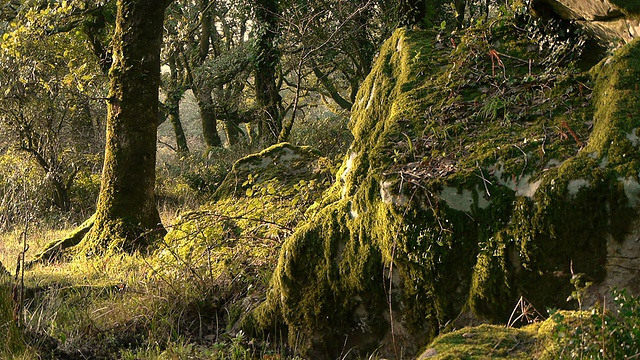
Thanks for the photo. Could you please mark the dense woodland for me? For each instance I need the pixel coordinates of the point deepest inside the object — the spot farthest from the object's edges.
(169, 167)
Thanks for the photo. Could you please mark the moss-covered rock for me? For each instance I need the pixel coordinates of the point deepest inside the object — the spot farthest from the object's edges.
(283, 162)
(475, 177)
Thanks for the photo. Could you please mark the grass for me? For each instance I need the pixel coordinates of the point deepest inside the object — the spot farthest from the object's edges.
(123, 307)
(11, 242)
(181, 299)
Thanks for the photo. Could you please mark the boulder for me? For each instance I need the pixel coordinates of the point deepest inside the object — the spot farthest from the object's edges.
(472, 181)
(284, 162)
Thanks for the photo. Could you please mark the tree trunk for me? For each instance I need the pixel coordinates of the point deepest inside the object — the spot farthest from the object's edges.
(208, 116)
(267, 95)
(201, 90)
(173, 104)
(126, 216)
(174, 95)
(232, 131)
(61, 198)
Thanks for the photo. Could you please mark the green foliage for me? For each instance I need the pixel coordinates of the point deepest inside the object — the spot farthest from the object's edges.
(561, 42)
(608, 331)
(48, 79)
(21, 193)
(184, 181)
(326, 132)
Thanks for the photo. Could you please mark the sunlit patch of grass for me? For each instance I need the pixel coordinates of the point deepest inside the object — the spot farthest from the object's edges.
(11, 243)
(145, 307)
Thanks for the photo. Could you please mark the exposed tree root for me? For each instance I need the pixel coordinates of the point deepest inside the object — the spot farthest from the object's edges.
(55, 248)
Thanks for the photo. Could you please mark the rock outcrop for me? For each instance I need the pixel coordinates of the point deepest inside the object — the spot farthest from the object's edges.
(477, 175)
(610, 21)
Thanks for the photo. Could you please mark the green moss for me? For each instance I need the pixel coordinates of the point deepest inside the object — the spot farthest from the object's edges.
(617, 100)
(486, 342)
(468, 184)
(285, 162)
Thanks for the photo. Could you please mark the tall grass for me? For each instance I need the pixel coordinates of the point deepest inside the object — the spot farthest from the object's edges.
(12, 343)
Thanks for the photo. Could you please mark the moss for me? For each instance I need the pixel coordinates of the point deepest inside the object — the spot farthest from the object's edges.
(466, 187)
(617, 100)
(285, 162)
(235, 239)
(485, 342)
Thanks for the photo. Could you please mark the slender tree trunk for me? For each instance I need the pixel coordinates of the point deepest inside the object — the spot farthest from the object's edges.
(286, 130)
(173, 105)
(208, 116)
(267, 95)
(201, 90)
(232, 131)
(126, 216)
(174, 95)
(329, 87)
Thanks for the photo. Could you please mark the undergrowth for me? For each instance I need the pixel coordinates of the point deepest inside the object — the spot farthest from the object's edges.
(606, 331)
(184, 297)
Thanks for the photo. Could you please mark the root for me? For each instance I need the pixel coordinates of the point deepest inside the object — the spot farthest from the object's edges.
(54, 249)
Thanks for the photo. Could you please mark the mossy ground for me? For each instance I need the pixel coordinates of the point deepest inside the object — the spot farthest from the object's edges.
(486, 342)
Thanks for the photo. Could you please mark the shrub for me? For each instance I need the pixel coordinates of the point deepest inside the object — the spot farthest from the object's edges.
(602, 333)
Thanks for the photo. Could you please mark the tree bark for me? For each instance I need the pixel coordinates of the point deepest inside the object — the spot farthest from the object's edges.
(174, 95)
(267, 95)
(201, 89)
(173, 105)
(208, 116)
(126, 216)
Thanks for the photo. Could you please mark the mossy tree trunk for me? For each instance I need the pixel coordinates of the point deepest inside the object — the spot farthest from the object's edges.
(175, 91)
(201, 88)
(208, 116)
(267, 95)
(126, 214)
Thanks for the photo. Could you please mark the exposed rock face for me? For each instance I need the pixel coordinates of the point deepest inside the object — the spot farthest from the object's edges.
(470, 182)
(608, 22)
